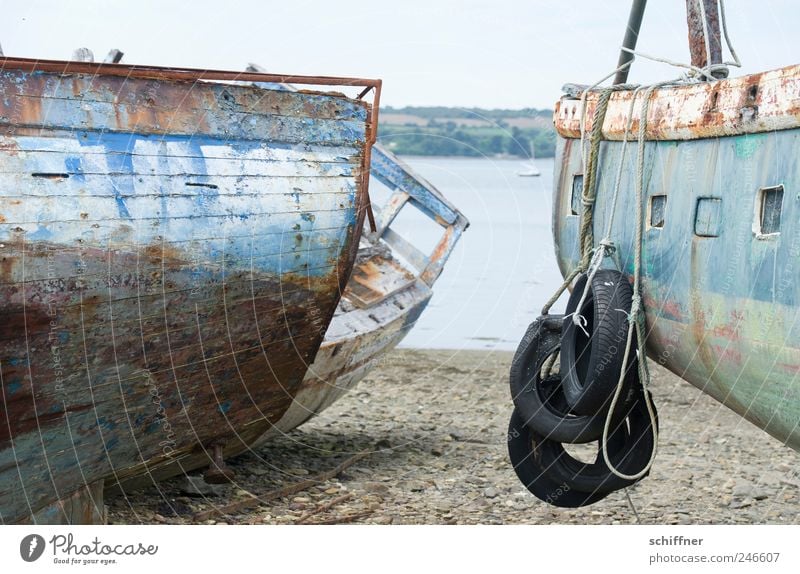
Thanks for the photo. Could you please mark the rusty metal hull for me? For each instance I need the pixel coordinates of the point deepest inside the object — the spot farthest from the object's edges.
(721, 293)
(757, 103)
(172, 252)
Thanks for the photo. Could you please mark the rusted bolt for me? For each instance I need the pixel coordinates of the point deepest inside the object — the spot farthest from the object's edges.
(218, 472)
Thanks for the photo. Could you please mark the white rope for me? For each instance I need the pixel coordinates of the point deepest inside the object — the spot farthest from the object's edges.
(605, 243)
(582, 123)
(706, 39)
(618, 178)
(636, 318)
(736, 62)
(699, 71)
(707, 71)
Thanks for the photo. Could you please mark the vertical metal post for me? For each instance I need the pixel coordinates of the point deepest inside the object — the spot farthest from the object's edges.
(697, 38)
(631, 36)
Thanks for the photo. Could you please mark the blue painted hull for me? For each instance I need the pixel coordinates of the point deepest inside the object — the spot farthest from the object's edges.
(172, 253)
(721, 297)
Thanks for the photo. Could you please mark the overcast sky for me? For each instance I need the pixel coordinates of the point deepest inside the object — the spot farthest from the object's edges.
(493, 54)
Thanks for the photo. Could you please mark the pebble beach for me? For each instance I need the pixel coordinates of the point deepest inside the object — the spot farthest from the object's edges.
(422, 441)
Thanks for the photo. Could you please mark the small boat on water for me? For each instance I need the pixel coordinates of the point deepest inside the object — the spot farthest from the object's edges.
(694, 200)
(174, 245)
(530, 169)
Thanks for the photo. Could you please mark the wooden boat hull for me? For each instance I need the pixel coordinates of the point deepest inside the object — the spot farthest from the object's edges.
(380, 304)
(359, 336)
(172, 254)
(384, 297)
(721, 293)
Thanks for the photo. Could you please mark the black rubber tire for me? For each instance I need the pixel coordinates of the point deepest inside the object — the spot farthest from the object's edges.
(541, 403)
(590, 367)
(523, 452)
(630, 448)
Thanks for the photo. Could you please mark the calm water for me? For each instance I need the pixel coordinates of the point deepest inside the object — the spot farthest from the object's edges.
(503, 269)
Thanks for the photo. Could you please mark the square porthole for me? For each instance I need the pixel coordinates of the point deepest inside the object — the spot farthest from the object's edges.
(577, 194)
(708, 217)
(768, 210)
(658, 210)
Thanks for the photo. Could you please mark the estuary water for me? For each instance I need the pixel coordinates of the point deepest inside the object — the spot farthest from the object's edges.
(504, 268)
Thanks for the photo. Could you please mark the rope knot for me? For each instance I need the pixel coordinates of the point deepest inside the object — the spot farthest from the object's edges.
(636, 305)
(608, 246)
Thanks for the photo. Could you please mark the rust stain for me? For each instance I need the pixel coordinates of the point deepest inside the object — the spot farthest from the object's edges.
(164, 252)
(789, 368)
(9, 146)
(725, 353)
(756, 103)
(6, 268)
(373, 280)
(749, 99)
(728, 331)
(179, 74)
(674, 309)
(224, 350)
(697, 27)
(443, 247)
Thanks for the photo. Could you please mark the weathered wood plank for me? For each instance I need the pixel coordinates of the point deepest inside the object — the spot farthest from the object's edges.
(200, 96)
(145, 318)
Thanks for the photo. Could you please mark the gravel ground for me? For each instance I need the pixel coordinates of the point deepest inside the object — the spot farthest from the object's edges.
(434, 423)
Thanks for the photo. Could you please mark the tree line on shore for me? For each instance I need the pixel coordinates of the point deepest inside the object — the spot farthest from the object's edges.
(441, 131)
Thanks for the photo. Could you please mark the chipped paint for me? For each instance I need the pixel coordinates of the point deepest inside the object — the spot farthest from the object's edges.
(752, 104)
(380, 305)
(364, 329)
(171, 254)
(721, 307)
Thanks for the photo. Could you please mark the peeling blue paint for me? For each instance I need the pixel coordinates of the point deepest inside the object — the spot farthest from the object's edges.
(73, 166)
(192, 278)
(721, 307)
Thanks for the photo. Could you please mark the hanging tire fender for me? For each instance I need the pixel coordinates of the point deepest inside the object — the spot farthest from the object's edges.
(591, 364)
(540, 401)
(526, 461)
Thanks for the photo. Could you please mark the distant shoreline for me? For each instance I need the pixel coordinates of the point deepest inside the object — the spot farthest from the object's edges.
(467, 132)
